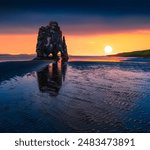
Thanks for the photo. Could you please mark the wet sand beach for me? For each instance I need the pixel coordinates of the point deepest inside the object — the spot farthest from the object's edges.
(75, 96)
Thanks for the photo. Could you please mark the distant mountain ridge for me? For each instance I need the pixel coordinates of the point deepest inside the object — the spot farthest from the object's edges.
(140, 53)
(14, 55)
(4, 57)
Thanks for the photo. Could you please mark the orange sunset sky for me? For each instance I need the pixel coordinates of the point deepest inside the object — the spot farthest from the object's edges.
(92, 44)
(88, 25)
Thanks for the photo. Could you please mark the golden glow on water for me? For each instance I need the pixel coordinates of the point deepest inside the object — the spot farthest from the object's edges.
(98, 59)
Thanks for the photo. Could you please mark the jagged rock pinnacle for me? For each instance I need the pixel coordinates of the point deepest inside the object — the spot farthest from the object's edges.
(51, 41)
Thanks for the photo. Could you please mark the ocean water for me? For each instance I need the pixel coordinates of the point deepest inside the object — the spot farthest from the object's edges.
(87, 96)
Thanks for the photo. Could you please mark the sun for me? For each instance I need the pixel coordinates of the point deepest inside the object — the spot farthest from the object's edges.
(108, 49)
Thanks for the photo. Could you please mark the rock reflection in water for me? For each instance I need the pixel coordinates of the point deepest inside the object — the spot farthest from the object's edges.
(51, 77)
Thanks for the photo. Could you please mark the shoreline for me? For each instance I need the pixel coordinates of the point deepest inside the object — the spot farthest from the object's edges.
(19, 68)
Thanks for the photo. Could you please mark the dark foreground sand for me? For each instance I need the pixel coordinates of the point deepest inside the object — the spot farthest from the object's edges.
(75, 97)
(18, 68)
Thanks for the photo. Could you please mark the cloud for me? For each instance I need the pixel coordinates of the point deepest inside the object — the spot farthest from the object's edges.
(75, 17)
(107, 7)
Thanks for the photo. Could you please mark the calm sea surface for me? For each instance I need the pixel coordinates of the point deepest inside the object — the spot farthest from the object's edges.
(87, 96)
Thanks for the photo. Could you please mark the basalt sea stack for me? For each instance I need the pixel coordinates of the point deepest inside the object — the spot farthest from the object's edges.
(50, 41)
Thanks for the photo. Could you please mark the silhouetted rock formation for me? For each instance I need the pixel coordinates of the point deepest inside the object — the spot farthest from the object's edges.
(51, 41)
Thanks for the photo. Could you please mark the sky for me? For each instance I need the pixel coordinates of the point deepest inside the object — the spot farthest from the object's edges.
(88, 25)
